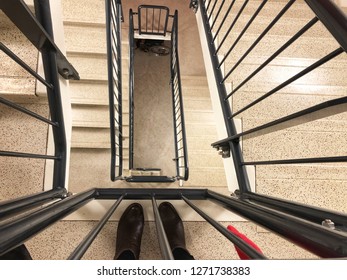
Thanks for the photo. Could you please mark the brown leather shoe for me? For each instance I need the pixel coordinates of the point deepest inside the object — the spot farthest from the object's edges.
(129, 232)
(173, 226)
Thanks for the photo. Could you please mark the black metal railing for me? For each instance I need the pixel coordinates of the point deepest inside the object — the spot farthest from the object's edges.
(181, 151)
(38, 30)
(319, 240)
(152, 20)
(114, 64)
(131, 89)
(222, 39)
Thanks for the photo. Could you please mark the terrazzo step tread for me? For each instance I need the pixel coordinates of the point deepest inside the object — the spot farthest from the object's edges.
(84, 135)
(305, 47)
(90, 168)
(284, 26)
(195, 92)
(199, 117)
(299, 89)
(93, 67)
(200, 143)
(299, 10)
(276, 146)
(87, 38)
(90, 145)
(206, 177)
(198, 129)
(197, 103)
(86, 11)
(94, 114)
(93, 92)
(194, 81)
(330, 74)
(204, 158)
(308, 192)
(17, 87)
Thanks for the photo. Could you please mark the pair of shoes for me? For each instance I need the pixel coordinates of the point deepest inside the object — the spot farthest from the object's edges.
(130, 229)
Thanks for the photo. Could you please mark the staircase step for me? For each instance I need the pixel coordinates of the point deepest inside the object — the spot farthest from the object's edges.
(194, 81)
(87, 115)
(312, 144)
(198, 117)
(201, 143)
(191, 91)
(286, 25)
(330, 73)
(299, 10)
(93, 92)
(86, 11)
(90, 168)
(204, 159)
(281, 104)
(94, 67)
(197, 103)
(83, 137)
(198, 129)
(305, 47)
(206, 177)
(14, 80)
(88, 38)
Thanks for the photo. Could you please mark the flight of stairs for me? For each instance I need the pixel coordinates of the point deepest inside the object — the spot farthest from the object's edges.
(90, 156)
(323, 185)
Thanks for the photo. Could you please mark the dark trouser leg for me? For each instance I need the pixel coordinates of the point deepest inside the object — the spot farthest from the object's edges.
(19, 253)
(181, 254)
(126, 255)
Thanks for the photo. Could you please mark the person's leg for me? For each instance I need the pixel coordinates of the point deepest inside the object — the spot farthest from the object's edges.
(174, 230)
(19, 253)
(129, 233)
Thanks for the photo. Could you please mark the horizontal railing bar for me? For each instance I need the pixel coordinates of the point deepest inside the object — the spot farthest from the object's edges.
(292, 79)
(18, 205)
(319, 111)
(231, 27)
(275, 54)
(162, 238)
(19, 13)
(27, 112)
(225, 56)
(27, 155)
(80, 250)
(237, 241)
(24, 65)
(298, 160)
(148, 193)
(312, 213)
(317, 239)
(18, 231)
(260, 37)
